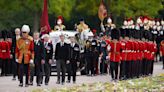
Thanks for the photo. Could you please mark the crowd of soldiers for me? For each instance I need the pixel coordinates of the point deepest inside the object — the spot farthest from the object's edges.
(126, 52)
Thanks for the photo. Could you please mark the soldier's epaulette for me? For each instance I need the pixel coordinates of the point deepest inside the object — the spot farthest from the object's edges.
(30, 38)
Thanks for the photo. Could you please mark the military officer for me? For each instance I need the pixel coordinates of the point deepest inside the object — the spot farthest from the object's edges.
(115, 54)
(162, 51)
(39, 59)
(24, 54)
(62, 57)
(74, 53)
(48, 57)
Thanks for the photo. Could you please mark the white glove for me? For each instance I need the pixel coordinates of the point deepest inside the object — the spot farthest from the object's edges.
(100, 59)
(78, 64)
(43, 61)
(108, 48)
(17, 60)
(50, 61)
(31, 61)
(107, 57)
(68, 62)
(11, 56)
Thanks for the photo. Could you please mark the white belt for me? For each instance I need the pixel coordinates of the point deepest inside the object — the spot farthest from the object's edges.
(126, 50)
(3, 50)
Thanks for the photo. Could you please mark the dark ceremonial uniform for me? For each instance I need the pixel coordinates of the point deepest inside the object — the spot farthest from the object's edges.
(103, 63)
(48, 56)
(61, 56)
(39, 53)
(95, 55)
(74, 54)
(88, 54)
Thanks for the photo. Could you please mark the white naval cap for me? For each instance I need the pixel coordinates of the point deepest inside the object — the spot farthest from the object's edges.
(25, 28)
(45, 35)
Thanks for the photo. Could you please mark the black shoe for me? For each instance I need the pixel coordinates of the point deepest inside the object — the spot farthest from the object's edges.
(62, 83)
(31, 83)
(74, 82)
(21, 85)
(26, 85)
(14, 79)
(68, 81)
(38, 85)
(58, 82)
(46, 84)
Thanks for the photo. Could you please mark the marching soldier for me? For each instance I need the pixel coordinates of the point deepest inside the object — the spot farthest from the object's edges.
(5, 53)
(9, 41)
(62, 57)
(95, 55)
(74, 59)
(88, 54)
(123, 54)
(39, 60)
(103, 55)
(115, 53)
(24, 54)
(162, 51)
(153, 51)
(48, 58)
(128, 54)
(15, 64)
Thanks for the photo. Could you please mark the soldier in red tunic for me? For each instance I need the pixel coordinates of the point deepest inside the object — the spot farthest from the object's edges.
(123, 54)
(153, 50)
(162, 51)
(127, 52)
(1, 39)
(4, 53)
(115, 53)
(9, 41)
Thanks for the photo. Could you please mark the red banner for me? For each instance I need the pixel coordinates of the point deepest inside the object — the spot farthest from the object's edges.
(44, 23)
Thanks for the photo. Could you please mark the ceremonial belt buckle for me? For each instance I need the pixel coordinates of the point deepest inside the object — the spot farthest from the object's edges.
(3, 50)
(145, 50)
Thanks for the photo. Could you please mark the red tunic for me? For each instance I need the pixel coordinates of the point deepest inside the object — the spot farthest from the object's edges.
(9, 49)
(162, 47)
(115, 51)
(136, 50)
(152, 50)
(129, 50)
(142, 48)
(123, 48)
(0, 50)
(140, 51)
(145, 47)
(5, 50)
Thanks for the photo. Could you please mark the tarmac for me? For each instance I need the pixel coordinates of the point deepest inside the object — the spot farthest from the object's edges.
(8, 85)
